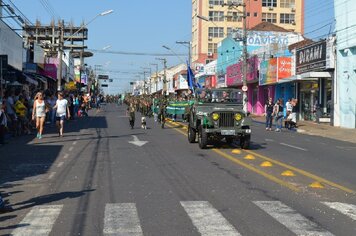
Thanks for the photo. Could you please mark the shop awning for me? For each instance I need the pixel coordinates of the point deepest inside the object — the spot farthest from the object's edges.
(41, 78)
(30, 79)
(310, 76)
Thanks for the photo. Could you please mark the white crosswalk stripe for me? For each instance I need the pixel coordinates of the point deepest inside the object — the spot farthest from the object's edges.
(39, 221)
(346, 209)
(291, 219)
(208, 220)
(122, 219)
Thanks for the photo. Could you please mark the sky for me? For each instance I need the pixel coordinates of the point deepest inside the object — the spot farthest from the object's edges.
(144, 26)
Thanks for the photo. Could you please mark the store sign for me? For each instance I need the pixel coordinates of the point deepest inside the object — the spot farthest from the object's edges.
(284, 67)
(311, 58)
(11, 45)
(183, 83)
(234, 73)
(50, 70)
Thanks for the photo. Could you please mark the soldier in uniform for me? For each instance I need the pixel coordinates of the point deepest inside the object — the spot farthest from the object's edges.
(162, 111)
(131, 112)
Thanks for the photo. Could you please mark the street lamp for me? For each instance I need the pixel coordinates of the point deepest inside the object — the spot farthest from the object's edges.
(169, 49)
(188, 44)
(62, 41)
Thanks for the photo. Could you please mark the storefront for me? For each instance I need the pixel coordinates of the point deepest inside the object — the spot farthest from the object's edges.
(314, 69)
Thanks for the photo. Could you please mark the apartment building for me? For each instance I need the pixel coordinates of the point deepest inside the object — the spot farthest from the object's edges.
(213, 20)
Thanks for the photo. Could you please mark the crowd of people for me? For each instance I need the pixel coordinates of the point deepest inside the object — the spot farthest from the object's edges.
(22, 113)
(278, 112)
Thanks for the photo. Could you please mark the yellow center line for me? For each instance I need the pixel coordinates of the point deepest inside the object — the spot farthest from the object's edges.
(302, 172)
(236, 161)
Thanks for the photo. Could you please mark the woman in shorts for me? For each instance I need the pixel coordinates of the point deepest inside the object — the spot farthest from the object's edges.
(39, 113)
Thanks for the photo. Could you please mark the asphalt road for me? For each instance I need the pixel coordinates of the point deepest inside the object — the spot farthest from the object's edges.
(102, 178)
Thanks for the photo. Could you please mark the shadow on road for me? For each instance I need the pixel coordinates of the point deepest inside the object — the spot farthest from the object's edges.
(50, 198)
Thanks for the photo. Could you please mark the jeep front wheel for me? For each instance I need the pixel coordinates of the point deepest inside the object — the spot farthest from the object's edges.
(191, 134)
(203, 138)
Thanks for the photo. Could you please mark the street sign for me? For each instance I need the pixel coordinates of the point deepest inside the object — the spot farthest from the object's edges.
(244, 88)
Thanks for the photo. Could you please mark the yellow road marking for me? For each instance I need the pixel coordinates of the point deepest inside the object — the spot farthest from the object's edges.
(288, 173)
(302, 172)
(249, 157)
(316, 185)
(264, 174)
(266, 164)
(236, 151)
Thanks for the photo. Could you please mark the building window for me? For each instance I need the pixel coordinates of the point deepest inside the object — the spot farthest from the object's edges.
(216, 15)
(255, 14)
(247, 14)
(212, 48)
(233, 16)
(269, 3)
(216, 2)
(286, 18)
(287, 3)
(207, 61)
(229, 31)
(216, 32)
(269, 17)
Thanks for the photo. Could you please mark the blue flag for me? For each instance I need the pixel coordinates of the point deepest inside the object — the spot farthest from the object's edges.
(191, 79)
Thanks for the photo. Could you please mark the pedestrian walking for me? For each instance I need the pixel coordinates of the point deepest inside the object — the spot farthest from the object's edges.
(62, 111)
(278, 114)
(10, 110)
(39, 113)
(268, 113)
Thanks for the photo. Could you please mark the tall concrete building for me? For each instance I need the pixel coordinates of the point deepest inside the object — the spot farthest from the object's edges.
(206, 35)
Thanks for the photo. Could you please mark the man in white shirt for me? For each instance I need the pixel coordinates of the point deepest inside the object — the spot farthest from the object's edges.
(61, 113)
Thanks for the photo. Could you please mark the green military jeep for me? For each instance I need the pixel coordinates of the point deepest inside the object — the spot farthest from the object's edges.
(218, 114)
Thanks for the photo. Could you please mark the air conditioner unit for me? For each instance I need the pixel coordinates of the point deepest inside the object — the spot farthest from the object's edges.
(293, 22)
(293, 9)
(210, 38)
(210, 54)
(211, 6)
(270, 8)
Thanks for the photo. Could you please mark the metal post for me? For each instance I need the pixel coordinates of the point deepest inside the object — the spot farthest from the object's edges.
(60, 64)
(165, 75)
(244, 79)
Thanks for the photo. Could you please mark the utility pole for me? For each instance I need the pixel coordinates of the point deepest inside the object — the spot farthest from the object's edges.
(60, 55)
(165, 75)
(244, 45)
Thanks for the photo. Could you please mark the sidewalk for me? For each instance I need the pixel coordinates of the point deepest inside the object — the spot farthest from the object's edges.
(323, 130)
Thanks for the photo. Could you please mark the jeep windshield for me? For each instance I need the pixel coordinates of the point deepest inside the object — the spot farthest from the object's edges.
(219, 95)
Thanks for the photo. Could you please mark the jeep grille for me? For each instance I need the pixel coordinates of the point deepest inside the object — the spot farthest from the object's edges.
(226, 119)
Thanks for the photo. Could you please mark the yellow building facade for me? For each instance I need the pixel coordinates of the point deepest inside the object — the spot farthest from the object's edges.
(212, 22)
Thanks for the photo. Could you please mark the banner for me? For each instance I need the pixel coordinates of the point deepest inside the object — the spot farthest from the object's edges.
(268, 72)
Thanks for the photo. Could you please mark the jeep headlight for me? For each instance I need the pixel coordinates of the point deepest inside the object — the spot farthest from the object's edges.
(215, 116)
(238, 116)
